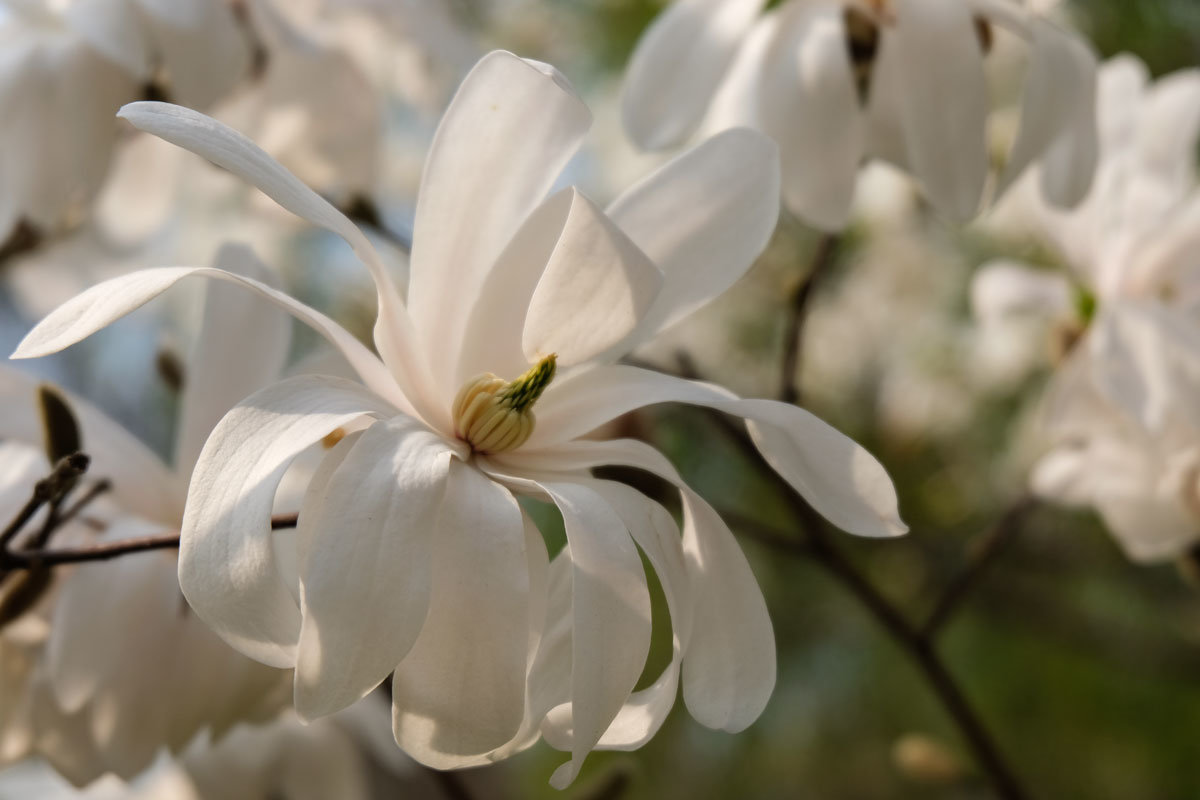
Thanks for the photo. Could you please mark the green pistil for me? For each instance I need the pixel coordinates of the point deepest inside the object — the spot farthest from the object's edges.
(525, 390)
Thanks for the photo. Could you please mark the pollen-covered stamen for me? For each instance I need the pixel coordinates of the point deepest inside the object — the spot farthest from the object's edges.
(494, 415)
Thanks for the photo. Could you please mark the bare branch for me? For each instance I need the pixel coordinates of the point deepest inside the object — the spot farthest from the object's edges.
(823, 256)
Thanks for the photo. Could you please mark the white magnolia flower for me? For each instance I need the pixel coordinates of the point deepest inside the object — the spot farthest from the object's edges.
(837, 82)
(125, 669)
(412, 554)
(1122, 408)
(66, 66)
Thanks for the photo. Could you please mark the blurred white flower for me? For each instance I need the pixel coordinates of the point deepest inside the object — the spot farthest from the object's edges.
(837, 82)
(1122, 406)
(125, 669)
(412, 555)
(66, 66)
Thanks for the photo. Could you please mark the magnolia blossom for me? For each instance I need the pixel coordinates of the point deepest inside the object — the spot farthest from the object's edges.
(97, 705)
(837, 82)
(1122, 408)
(67, 66)
(413, 556)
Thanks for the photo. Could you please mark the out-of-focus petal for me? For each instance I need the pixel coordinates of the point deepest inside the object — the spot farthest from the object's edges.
(678, 65)
(1003, 289)
(241, 346)
(810, 105)
(703, 245)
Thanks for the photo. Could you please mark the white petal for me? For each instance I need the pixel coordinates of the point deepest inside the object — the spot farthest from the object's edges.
(499, 148)
(611, 617)
(729, 647)
(88, 646)
(677, 66)
(596, 288)
(231, 150)
(1169, 126)
(942, 100)
(227, 567)
(460, 693)
(736, 102)
(703, 219)
(366, 542)
(811, 107)
(1003, 289)
(106, 302)
(1062, 475)
(655, 532)
(142, 483)
(841, 480)
(1058, 117)
(202, 49)
(241, 346)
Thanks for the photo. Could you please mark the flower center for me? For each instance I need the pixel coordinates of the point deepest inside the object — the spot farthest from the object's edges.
(494, 415)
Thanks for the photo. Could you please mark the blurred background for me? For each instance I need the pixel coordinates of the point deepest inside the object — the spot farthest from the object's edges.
(1085, 666)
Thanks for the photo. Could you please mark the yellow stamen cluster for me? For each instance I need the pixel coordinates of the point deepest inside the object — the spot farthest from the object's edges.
(494, 415)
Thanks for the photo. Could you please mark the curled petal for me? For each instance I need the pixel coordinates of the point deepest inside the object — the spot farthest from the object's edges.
(227, 565)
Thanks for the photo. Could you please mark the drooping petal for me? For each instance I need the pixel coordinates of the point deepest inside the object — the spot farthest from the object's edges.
(736, 102)
(1058, 117)
(656, 534)
(231, 150)
(141, 482)
(460, 693)
(241, 346)
(731, 182)
(729, 647)
(1002, 289)
(810, 105)
(936, 66)
(677, 66)
(499, 148)
(106, 302)
(367, 535)
(227, 567)
(841, 480)
(596, 288)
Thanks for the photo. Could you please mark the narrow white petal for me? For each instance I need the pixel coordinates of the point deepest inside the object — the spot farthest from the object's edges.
(1169, 127)
(227, 566)
(460, 693)
(107, 302)
(736, 103)
(231, 150)
(501, 144)
(677, 66)
(942, 100)
(811, 107)
(241, 346)
(596, 288)
(705, 245)
(1058, 117)
(367, 535)
(656, 534)
(729, 647)
(841, 480)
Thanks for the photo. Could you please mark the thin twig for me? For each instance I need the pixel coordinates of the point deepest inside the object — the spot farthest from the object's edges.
(984, 552)
(29, 558)
(48, 489)
(789, 365)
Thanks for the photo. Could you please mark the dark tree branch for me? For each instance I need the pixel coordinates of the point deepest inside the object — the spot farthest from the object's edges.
(984, 551)
(823, 256)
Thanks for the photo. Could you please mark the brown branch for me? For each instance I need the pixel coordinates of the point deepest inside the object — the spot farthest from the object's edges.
(984, 551)
(823, 256)
(48, 490)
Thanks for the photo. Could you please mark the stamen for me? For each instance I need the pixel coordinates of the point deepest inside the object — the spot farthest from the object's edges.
(494, 415)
